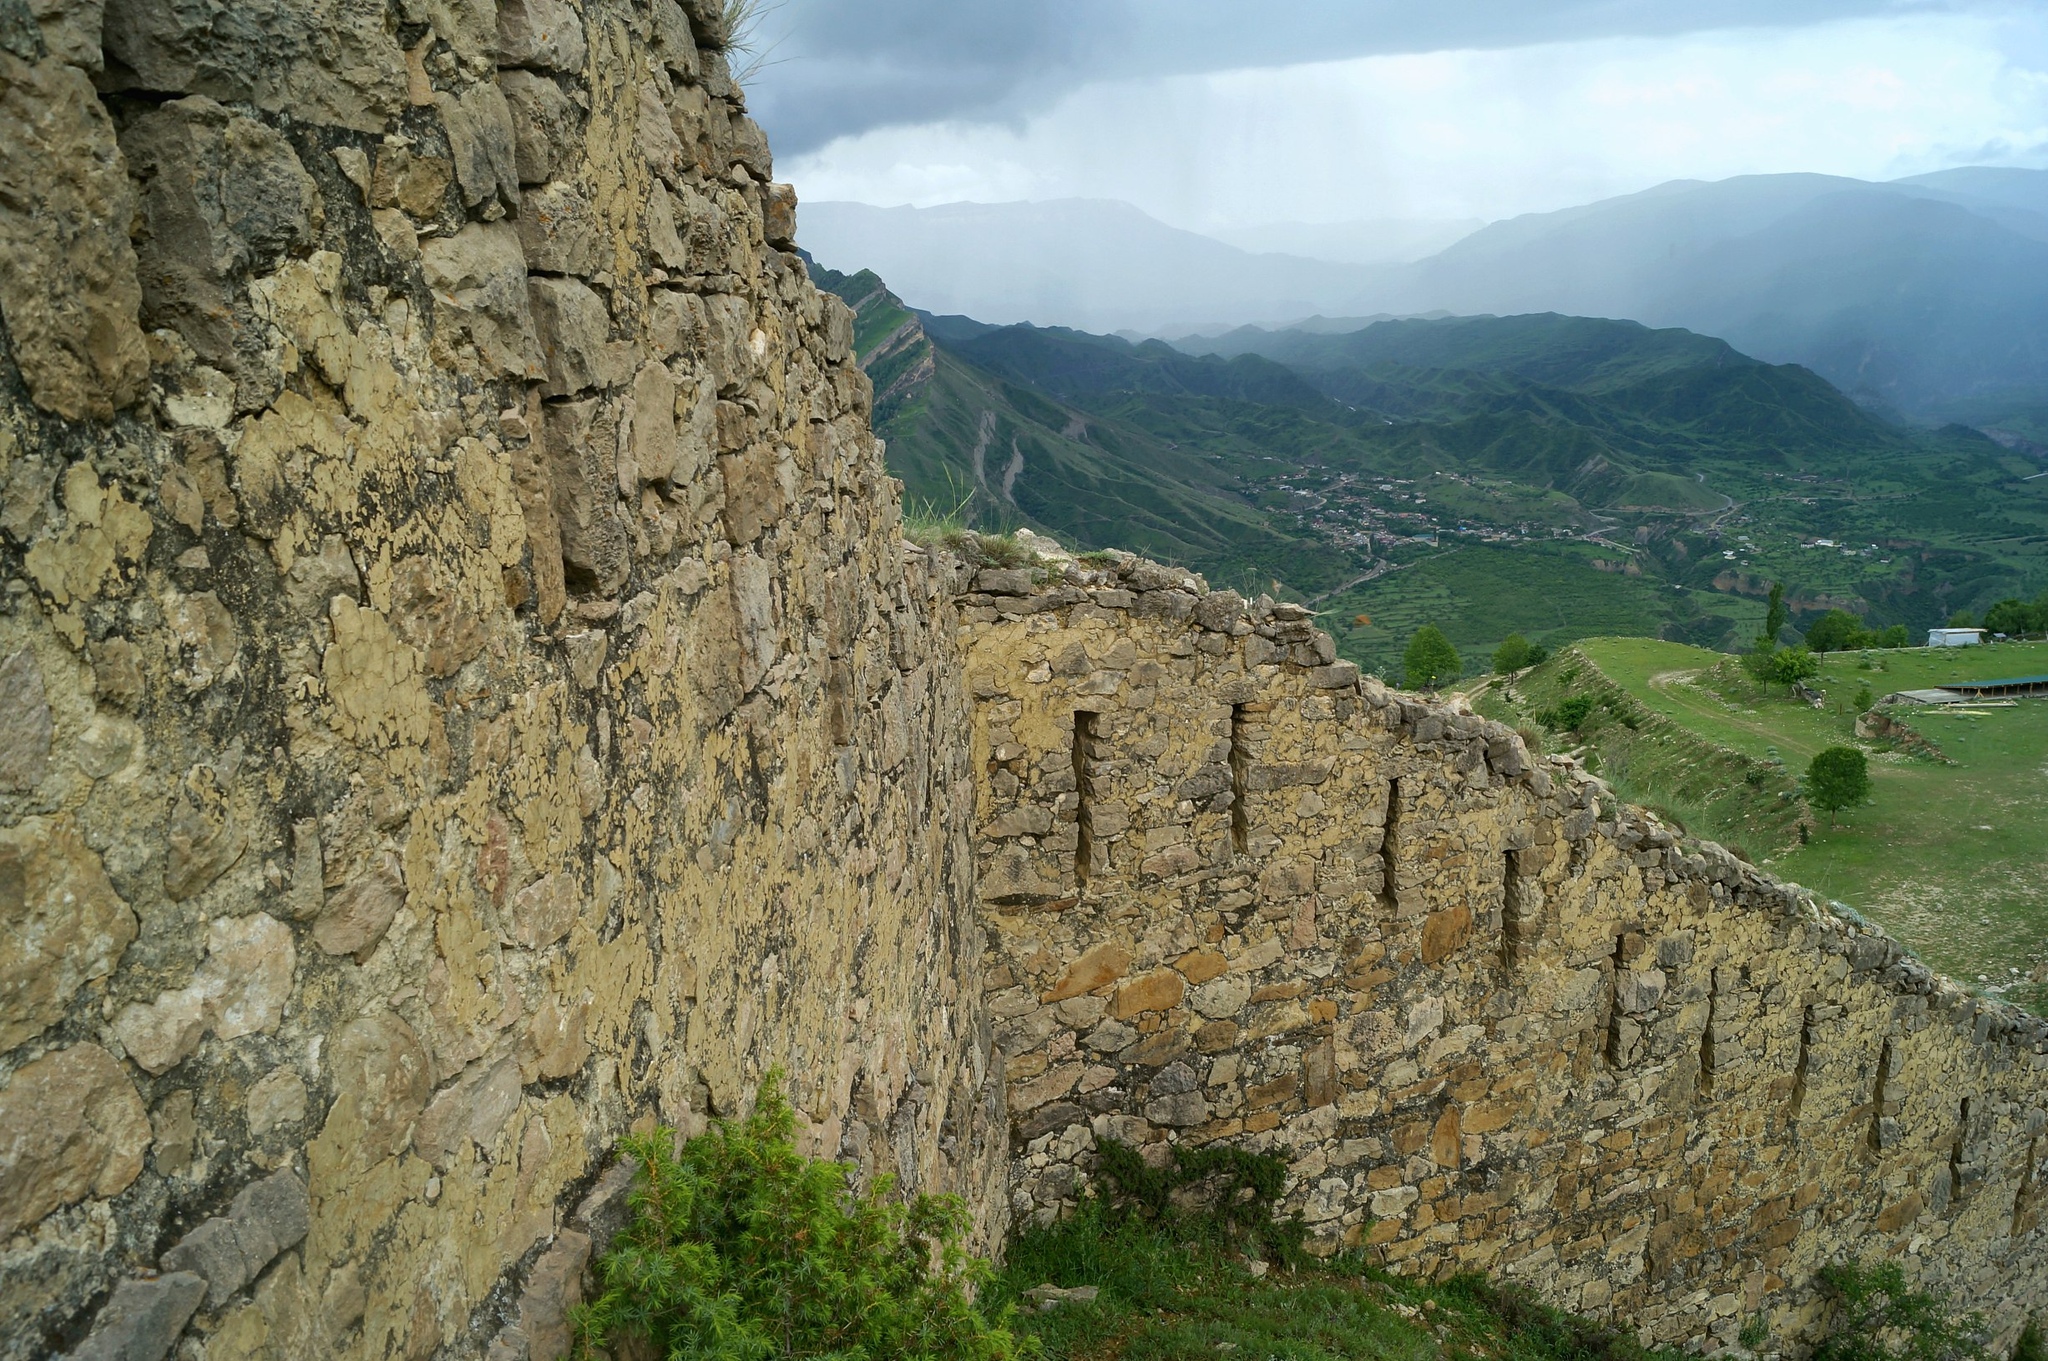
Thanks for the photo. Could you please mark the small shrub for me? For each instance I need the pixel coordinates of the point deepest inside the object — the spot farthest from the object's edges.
(742, 1249)
(1233, 1194)
(1755, 1332)
(1539, 1329)
(1878, 1318)
(1531, 738)
(1569, 715)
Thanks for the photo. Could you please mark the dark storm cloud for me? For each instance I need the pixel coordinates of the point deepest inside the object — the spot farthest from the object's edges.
(844, 66)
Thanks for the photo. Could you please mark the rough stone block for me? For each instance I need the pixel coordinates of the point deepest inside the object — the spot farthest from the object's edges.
(143, 1319)
(68, 282)
(479, 274)
(547, 34)
(71, 1125)
(64, 923)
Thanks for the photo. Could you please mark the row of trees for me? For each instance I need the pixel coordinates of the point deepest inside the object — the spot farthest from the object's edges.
(1431, 661)
(2012, 617)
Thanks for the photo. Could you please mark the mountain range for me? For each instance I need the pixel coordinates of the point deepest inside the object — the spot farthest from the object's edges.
(1925, 299)
(1552, 475)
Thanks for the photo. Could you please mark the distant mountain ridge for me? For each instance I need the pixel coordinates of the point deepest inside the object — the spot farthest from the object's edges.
(1926, 298)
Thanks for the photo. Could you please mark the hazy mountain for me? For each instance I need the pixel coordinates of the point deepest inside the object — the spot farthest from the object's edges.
(1091, 263)
(1926, 297)
(1375, 241)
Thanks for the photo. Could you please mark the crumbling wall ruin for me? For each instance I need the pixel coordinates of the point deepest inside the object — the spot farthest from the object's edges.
(461, 692)
(1493, 1019)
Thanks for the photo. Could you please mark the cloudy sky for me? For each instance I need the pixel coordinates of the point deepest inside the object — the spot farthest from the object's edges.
(1215, 114)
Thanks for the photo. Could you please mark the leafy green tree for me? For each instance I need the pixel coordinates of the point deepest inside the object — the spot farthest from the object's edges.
(2015, 617)
(1514, 654)
(742, 1249)
(1757, 661)
(1838, 778)
(1785, 666)
(1962, 619)
(1894, 636)
(1776, 616)
(1837, 631)
(1430, 660)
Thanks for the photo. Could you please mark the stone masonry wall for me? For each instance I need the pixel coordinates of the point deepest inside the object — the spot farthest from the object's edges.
(463, 696)
(461, 692)
(1492, 1019)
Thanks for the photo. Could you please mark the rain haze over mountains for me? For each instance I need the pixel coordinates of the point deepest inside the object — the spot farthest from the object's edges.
(1853, 185)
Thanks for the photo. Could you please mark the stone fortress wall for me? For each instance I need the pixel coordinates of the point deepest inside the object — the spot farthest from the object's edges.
(463, 696)
(1492, 1019)
(461, 693)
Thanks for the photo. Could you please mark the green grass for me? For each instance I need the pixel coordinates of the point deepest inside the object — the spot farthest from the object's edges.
(1946, 857)
(1479, 593)
(1167, 1300)
(1641, 743)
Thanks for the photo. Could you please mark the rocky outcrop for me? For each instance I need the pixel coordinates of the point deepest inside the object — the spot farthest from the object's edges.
(1492, 1018)
(461, 694)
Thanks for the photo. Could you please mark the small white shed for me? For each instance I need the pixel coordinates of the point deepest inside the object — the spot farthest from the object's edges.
(1954, 637)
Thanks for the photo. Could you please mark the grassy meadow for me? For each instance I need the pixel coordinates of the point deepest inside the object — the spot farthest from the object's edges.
(1950, 857)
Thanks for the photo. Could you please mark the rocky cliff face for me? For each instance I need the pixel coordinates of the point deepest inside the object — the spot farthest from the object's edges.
(461, 695)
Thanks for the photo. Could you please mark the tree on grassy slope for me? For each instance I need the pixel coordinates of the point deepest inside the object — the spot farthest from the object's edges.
(1515, 654)
(1776, 616)
(1791, 665)
(1838, 778)
(1430, 660)
(1838, 631)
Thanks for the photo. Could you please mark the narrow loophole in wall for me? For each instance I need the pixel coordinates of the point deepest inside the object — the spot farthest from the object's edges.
(1706, 1079)
(1614, 1016)
(1510, 910)
(1877, 1110)
(1240, 772)
(1799, 1066)
(1957, 1153)
(2024, 1214)
(1084, 795)
(1390, 900)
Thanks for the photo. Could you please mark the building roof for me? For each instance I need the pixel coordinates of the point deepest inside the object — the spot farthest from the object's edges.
(1927, 696)
(1997, 684)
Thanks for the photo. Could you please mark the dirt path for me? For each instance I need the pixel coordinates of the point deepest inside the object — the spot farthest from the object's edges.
(1673, 686)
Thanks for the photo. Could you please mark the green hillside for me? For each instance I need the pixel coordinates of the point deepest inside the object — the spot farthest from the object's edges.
(1947, 854)
(1003, 453)
(1561, 477)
